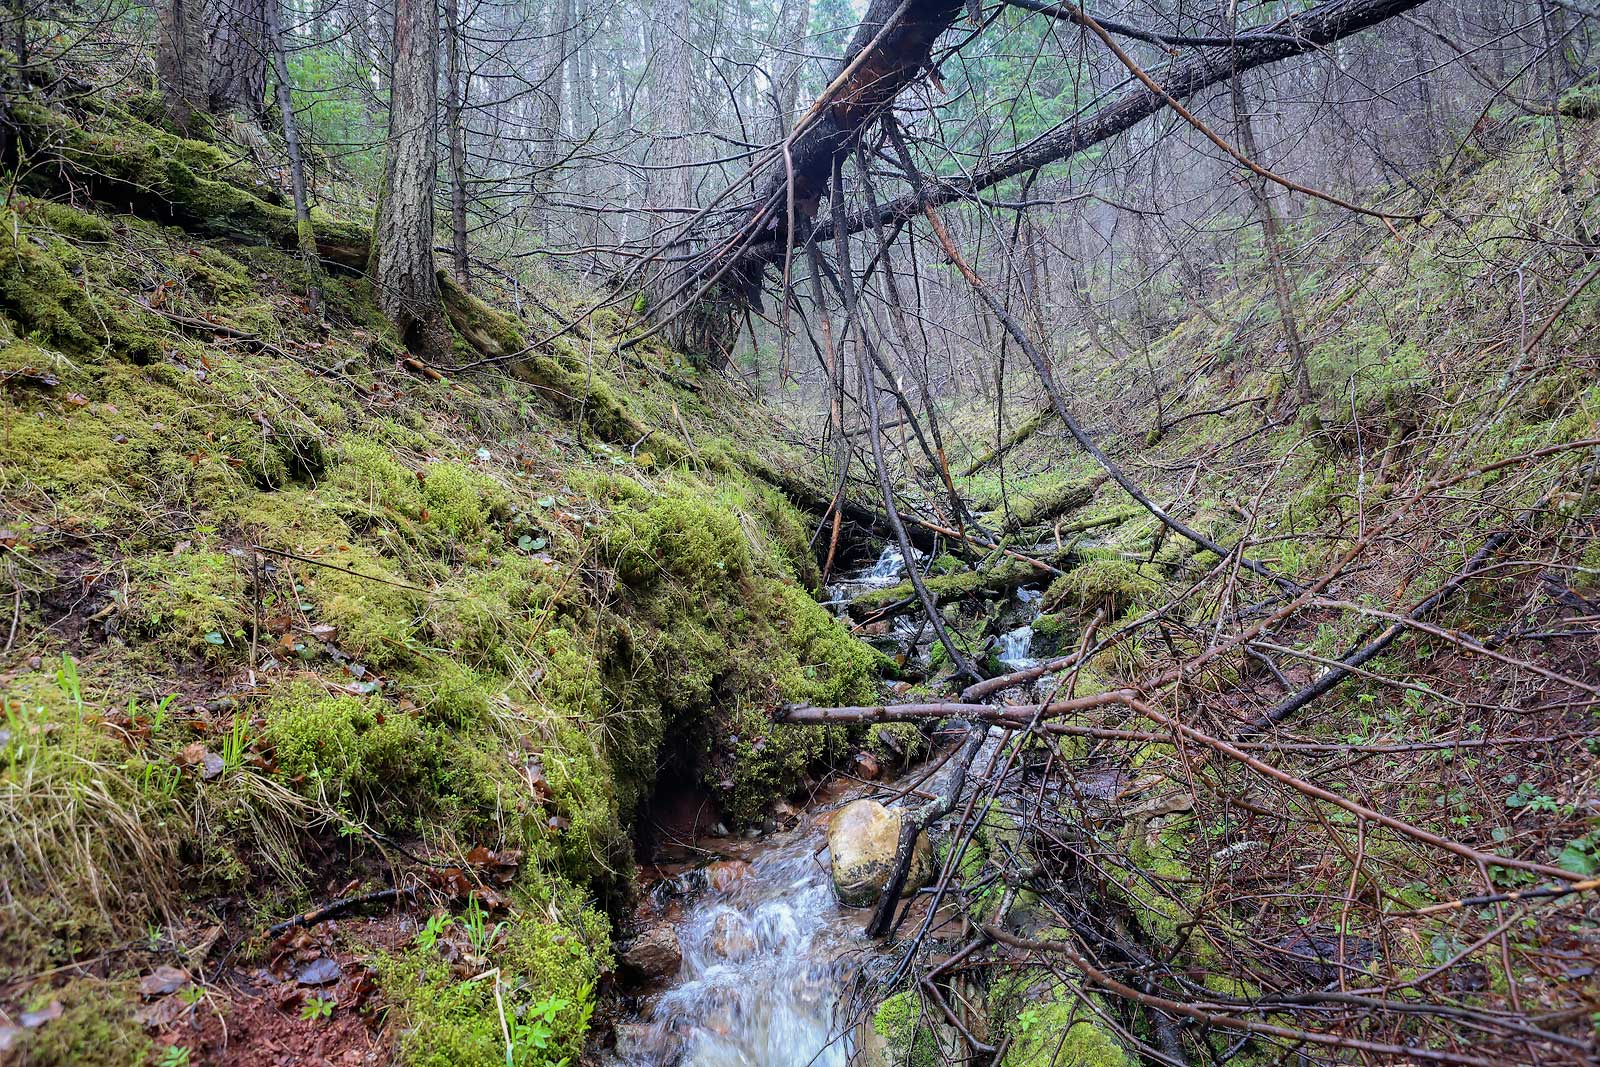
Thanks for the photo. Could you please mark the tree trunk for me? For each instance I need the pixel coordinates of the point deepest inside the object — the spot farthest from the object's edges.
(307, 237)
(547, 118)
(1272, 239)
(794, 18)
(670, 183)
(402, 269)
(454, 102)
(181, 62)
(239, 50)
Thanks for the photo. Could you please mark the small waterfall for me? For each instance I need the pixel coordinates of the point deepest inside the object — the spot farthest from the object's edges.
(761, 977)
(1015, 646)
(890, 568)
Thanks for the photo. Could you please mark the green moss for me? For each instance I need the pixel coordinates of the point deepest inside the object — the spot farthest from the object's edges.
(38, 293)
(1062, 1031)
(67, 221)
(352, 751)
(1105, 583)
(97, 1025)
(462, 500)
(950, 588)
(1047, 503)
(546, 967)
(190, 602)
(1581, 102)
(122, 160)
(90, 836)
(901, 1022)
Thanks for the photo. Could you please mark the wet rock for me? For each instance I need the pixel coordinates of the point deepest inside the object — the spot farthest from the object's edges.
(725, 875)
(651, 957)
(862, 839)
(731, 937)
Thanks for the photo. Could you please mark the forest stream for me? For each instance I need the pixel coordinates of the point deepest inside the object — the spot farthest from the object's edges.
(768, 954)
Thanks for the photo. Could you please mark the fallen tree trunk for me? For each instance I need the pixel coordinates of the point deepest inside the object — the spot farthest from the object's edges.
(817, 500)
(1042, 509)
(170, 180)
(891, 47)
(1297, 35)
(1013, 439)
(945, 588)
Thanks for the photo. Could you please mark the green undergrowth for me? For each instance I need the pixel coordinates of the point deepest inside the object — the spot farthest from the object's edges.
(287, 601)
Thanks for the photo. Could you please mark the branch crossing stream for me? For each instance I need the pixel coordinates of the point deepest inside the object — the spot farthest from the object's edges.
(768, 955)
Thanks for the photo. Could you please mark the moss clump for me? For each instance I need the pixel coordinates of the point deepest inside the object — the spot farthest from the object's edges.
(1110, 584)
(380, 763)
(546, 972)
(900, 1021)
(38, 294)
(192, 602)
(1581, 102)
(97, 1025)
(347, 749)
(1061, 1031)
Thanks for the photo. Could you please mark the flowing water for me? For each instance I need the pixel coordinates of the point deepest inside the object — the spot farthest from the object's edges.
(1015, 646)
(768, 954)
(766, 963)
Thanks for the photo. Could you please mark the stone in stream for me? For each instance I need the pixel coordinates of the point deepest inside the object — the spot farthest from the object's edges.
(862, 839)
(653, 956)
(731, 937)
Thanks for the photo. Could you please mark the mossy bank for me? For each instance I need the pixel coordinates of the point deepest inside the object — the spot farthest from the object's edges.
(289, 616)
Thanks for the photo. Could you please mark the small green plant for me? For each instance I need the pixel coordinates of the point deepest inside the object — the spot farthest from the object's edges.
(154, 937)
(317, 1008)
(428, 936)
(531, 1034)
(191, 995)
(69, 682)
(480, 934)
(159, 717)
(174, 1056)
(234, 744)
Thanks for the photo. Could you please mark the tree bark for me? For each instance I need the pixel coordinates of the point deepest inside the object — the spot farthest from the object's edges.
(401, 269)
(239, 53)
(670, 185)
(454, 103)
(181, 62)
(794, 16)
(548, 103)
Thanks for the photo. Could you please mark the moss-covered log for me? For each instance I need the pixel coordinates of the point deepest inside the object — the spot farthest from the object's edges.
(815, 498)
(128, 164)
(948, 588)
(1012, 440)
(1047, 505)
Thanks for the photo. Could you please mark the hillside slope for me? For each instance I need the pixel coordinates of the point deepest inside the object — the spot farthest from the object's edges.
(293, 619)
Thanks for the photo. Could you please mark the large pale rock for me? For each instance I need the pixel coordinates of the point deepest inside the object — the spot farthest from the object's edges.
(862, 838)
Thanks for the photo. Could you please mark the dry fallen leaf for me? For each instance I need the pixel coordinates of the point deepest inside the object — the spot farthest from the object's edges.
(163, 980)
(323, 971)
